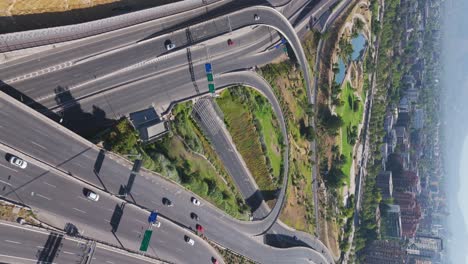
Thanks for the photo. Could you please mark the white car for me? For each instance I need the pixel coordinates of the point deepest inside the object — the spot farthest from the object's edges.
(256, 17)
(170, 46)
(195, 201)
(92, 195)
(18, 162)
(189, 240)
(156, 224)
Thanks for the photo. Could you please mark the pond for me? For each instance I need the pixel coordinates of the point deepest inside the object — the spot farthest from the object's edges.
(358, 43)
(339, 77)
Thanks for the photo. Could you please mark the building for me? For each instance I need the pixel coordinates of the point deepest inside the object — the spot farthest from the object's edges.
(418, 118)
(384, 182)
(412, 94)
(404, 106)
(385, 252)
(393, 221)
(407, 182)
(388, 122)
(410, 212)
(150, 127)
(401, 135)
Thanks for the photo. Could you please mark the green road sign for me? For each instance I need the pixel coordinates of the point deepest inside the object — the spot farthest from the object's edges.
(209, 76)
(146, 240)
(211, 87)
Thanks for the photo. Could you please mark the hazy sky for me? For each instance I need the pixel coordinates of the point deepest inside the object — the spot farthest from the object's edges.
(455, 97)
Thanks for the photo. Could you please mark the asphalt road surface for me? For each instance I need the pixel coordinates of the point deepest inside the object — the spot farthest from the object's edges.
(26, 244)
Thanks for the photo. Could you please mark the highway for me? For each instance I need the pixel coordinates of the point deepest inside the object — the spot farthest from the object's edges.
(27, 244)
(55, 154)
(59, 200)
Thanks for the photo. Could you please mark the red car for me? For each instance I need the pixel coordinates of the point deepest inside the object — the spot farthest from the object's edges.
(230, 42)
(200, 228)
(214, 261)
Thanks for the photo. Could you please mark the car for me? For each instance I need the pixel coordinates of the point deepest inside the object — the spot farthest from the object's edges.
(156, 224)
(18, 162)
(170, 46)
(214, 260)
(189, 240)
(195, 201)
(92, 195)
(230, 42)
(21, 220)
(199, 228)
(167, 202)
(256, 17)
(194, 216)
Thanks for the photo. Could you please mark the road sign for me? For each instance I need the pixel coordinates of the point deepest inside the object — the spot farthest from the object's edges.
(209, 76)
(146, 240)
(211, 87)
(208, 67)
(153, 216)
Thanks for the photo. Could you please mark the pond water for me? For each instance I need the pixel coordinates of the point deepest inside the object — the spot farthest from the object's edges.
(358, 45)
(339, 77)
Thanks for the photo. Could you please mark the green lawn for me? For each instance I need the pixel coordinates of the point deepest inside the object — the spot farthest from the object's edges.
(271, 133)
(175, 157)
(351, 117)
(236, 104)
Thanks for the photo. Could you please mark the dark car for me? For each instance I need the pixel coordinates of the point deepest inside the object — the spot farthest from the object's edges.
(167, 202)
(194, 216)
(230, 42)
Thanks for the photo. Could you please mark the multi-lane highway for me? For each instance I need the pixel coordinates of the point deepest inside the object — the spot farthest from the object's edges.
(60, 201)
(126, 73)
(26, 244)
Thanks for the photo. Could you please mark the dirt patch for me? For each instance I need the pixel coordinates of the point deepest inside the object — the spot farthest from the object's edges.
(11, 213)
(20, 15)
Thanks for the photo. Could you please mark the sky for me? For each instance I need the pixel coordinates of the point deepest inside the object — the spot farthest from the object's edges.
(455, 124)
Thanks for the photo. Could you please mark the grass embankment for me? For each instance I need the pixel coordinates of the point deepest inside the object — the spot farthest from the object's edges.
(256, 134)
(351, 113)
(287, 83)
(183, 156)
(9, 212)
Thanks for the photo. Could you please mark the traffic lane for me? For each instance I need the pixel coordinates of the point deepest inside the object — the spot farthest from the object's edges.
(99, 43)
(106, 255)
(119, 64)
(148, 66)
(232, 161)
(32, 245)
(107, 219)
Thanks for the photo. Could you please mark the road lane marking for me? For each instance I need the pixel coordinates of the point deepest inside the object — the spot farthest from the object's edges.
(108, 221)
(5, 183)
(79, 210)
(37, 144)
(43, 196)
(69, 253)
(141, 221)
(13, 242)
(110, 262)
(51, 185)
(8, 168)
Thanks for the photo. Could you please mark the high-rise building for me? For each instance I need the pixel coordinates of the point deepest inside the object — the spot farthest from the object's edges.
(385, 252)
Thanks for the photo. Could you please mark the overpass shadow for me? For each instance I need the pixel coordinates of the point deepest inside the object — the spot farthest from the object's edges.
(255, 200)
(115, 220)
(74, 118)
(51, 249)
(283, 241)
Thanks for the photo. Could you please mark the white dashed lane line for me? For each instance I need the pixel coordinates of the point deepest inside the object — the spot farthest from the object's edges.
(13, 242)
(81, 211)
